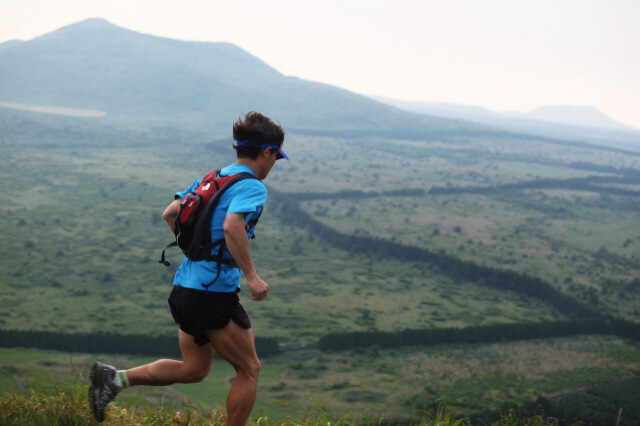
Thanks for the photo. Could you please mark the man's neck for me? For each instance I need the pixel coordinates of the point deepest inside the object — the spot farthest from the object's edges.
(252, 164)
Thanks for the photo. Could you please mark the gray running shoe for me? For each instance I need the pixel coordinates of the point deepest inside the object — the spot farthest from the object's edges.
(102, 390)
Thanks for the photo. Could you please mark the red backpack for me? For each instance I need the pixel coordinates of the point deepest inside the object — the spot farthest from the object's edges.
(193, 221)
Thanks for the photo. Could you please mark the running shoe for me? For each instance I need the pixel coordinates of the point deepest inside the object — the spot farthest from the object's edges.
(102, 390)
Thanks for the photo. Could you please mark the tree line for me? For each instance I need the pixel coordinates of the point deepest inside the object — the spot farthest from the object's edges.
(625, 171)
(589, 183)
(351, 194)
(480, 334)
(290, 212)
(111, 343)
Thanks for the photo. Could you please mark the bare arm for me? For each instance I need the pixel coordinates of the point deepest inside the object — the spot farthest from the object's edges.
(170, 213)
(238, 245)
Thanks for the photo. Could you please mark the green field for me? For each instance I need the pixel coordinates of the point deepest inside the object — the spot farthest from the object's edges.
(394, 384)
(83, 233)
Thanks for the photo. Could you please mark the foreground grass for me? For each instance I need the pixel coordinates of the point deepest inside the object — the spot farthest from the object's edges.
(388, 384)
(70, 407)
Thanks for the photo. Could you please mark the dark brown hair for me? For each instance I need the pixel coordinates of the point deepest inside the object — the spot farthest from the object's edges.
(256, 129)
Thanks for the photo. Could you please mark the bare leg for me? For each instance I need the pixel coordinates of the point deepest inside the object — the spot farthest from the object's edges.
(195, 365)
(236, 345)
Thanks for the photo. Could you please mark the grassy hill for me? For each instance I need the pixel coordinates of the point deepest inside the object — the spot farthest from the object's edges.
(99, 66)
(69, 406)
(83, 230)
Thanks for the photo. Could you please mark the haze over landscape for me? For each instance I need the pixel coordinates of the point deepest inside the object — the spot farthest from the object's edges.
(502, 55)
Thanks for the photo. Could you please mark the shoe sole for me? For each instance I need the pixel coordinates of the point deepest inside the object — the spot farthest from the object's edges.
(93, 375)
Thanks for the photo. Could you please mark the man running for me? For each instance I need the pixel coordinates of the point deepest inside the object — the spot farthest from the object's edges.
(204, 300)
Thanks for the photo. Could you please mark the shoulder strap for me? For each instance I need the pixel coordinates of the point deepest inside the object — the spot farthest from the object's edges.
(203, 229)
(202, 233)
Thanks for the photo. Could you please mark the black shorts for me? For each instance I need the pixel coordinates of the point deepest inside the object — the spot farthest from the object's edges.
(197, 311)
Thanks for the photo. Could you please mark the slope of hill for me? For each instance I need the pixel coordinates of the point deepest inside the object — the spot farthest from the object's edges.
(98, 66)
(84, 232)
(9, 44)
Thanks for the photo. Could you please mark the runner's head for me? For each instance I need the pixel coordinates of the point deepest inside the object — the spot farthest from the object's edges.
(255, 132)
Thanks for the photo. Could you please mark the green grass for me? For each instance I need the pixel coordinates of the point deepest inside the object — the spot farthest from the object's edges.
(500, 232)
(69, 406)
(369, 385)
(383, 382)
(108, 255)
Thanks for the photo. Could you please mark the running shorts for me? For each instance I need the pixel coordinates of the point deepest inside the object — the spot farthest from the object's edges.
(197, 311)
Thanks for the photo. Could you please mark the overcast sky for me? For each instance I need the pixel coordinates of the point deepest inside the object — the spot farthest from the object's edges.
(500, 54)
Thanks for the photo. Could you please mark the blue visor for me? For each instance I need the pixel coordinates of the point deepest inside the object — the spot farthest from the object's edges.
(279, 155)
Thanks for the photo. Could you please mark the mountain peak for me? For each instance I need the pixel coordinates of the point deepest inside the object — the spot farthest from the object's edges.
(92, 23)
(96, 65)
(86, 27)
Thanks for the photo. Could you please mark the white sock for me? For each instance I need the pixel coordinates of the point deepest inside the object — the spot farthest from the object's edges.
(120, 379)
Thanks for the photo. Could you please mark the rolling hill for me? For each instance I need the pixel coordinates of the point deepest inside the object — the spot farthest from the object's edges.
(99, 66)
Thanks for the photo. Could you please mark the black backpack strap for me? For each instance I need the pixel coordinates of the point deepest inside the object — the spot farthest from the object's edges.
(162, 259)
(202, 233)
(253, 223)
(221, 244)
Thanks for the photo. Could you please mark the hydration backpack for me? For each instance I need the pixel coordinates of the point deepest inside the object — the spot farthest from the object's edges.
(193, 221)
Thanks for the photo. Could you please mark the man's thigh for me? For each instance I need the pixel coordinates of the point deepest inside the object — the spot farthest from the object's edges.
(235, 344)
(195, 355)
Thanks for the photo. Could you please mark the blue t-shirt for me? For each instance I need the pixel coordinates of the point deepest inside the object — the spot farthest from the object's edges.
(247, 196)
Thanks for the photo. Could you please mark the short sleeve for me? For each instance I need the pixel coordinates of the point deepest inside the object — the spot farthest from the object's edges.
(180, 194)
(249, 196)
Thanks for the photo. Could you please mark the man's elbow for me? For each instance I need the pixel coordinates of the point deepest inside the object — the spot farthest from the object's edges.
(168, 216)
(232, 223)
(170, 213)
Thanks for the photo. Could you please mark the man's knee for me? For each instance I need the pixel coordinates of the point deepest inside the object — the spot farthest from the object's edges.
(195, 375)
(251, 369)
(256, 367)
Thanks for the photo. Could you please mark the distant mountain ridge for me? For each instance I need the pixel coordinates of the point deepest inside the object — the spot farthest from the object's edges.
(586, 116)
(96, 65)
(563, 114)
(556, 121)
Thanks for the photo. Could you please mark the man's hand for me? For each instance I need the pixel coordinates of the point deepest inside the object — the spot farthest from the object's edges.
(259, 288)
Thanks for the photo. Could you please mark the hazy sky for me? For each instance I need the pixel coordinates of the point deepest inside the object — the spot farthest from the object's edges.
(500, 54)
